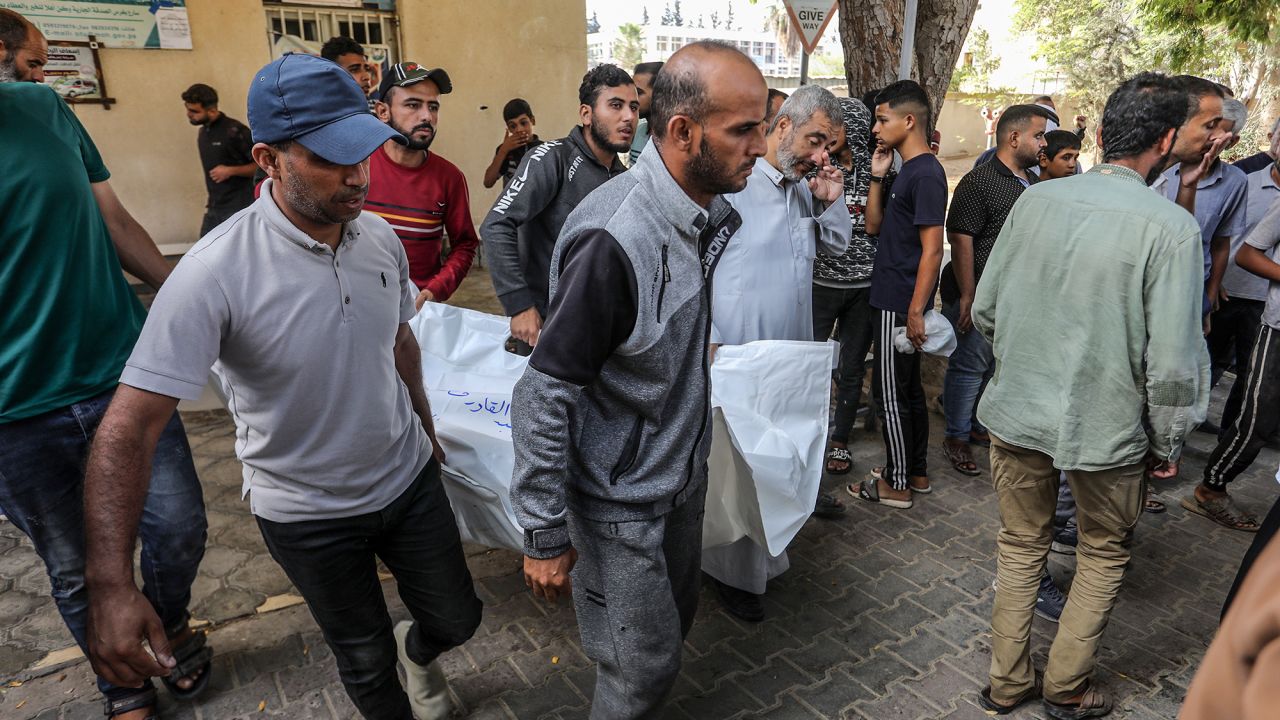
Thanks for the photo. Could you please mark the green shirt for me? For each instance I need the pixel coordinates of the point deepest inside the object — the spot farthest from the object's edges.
(70, 317)
(1091, 300)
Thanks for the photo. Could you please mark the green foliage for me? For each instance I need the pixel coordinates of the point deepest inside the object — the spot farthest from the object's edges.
(1097, 44)
(628, 49)
(976, 73)
(1241, 20)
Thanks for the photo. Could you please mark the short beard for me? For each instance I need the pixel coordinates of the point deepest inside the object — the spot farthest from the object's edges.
(8, 69)
(602, 140)
(787, 159)
(708, 173)
(1026, 163)
(412, 144)
(303, 201)
(1158, 169)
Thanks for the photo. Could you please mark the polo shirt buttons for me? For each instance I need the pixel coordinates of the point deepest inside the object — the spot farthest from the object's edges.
(347, 300)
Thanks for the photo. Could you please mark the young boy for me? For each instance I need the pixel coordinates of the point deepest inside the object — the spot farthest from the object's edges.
(903, 280)
(519, 139)
(1062, 150)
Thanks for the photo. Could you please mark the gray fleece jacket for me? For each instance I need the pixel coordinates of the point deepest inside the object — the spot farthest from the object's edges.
(612, 417)
(522, 226)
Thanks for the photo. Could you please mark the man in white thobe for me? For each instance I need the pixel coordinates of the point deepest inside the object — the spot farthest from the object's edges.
(764, 281)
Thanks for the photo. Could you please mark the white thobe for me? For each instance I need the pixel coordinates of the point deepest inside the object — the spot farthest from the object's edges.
(763, 290)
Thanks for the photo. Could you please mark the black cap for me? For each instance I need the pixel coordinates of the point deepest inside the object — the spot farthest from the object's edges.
(409, 73)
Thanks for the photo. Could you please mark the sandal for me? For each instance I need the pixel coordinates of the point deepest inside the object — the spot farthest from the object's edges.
(144, 698)
(1152, 505)
(871, 493)
(1223, 511)
(828, 506)
(839, 455)
(960, 458)
(193, 656)
(1093, 703)
(991, 706)
(878, 473)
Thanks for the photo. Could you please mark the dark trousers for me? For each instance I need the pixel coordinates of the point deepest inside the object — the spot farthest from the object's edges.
(1234, 329)
(42, 492)
(1266, 532)
(906, 419)
(333, 563)
(1259, 416)
(857, 322)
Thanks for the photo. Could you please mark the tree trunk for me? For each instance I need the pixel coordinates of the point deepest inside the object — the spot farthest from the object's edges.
(871, 34)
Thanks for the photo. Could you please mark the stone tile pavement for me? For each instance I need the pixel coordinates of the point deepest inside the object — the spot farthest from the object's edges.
(883, 615)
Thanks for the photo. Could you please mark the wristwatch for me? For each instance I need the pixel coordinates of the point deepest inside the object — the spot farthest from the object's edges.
(877, 178)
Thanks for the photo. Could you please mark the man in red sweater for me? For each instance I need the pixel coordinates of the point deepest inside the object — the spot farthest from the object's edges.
(423, 196)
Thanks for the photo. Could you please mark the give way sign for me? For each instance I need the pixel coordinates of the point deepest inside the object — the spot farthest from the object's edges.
(810, 18)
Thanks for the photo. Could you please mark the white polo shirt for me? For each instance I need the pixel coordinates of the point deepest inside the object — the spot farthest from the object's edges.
(302, 341)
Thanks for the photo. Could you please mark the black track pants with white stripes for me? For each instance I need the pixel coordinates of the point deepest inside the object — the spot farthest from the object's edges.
(906, 418)
(1259, 415)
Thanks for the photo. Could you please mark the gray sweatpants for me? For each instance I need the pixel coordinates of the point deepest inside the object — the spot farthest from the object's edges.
(635, 590)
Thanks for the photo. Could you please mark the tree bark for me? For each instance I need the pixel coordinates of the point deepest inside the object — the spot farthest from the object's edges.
(871, 34)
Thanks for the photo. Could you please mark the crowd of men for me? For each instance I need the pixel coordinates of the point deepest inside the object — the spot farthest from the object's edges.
(1080, 305)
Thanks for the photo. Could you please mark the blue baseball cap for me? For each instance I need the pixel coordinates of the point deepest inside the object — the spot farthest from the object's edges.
(317, 103)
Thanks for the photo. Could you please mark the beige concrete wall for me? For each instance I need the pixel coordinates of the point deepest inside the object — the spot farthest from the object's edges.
(494, 51)
(145, 138)
(963, 129)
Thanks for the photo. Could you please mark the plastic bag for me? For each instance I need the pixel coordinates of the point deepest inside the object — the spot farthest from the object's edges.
(940, 337)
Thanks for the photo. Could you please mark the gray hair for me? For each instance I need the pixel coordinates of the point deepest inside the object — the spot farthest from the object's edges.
(804, 102)
(1235, 111)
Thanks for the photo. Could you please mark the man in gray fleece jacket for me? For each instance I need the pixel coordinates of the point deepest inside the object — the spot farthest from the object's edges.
(520, 230)
(611, 420)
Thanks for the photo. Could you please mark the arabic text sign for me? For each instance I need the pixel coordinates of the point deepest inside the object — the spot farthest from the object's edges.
(115, 23)
(810, 19)
(72, 72)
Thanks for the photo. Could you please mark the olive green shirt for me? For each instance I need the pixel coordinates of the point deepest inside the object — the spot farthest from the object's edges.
(1091, 300)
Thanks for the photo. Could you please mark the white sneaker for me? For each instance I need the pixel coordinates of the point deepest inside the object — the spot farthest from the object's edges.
(427, 688)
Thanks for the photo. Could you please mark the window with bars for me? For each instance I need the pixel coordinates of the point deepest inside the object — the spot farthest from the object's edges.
(293, 27)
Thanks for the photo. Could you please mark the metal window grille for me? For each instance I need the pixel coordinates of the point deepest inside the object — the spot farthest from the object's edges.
(318, 24)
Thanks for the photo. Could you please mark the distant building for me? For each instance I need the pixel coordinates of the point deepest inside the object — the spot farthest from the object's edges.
(661, 41)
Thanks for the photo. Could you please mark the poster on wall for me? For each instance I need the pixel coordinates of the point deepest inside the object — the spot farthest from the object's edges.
(72, 71)
(159, 24)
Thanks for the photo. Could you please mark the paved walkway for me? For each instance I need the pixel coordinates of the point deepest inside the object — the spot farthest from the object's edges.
(883, 615)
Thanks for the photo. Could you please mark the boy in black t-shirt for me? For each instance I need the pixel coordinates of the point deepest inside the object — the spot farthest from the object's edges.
(1060, 155)
(903, 281)
(518, 140)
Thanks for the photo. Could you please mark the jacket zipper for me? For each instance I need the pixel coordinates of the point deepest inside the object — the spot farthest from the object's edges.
(706, 397)
(666, 278)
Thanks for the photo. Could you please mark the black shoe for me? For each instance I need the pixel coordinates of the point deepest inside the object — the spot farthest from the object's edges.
(740, 603)
(1049, 600)
(1065, 541)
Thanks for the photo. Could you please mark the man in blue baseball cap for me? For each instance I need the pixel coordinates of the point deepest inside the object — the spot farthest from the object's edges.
(299, 305)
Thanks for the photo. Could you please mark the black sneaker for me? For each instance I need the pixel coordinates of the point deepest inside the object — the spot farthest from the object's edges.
(1065, 541)
(740, 603)
(1049, 600)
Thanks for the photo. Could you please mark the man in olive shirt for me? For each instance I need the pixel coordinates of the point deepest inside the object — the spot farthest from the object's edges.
(1102, 372)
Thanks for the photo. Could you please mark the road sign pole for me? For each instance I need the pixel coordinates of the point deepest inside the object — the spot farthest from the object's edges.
(908, 41)
(804, 69)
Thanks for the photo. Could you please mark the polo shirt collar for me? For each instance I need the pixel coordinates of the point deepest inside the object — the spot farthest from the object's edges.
(674, 204)
(1005, 170)
(1268, 178)
(1118, 171)
(282, 225)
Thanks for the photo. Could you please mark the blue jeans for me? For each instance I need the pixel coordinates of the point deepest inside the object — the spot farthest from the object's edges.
(42, 462)
(968, 370)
